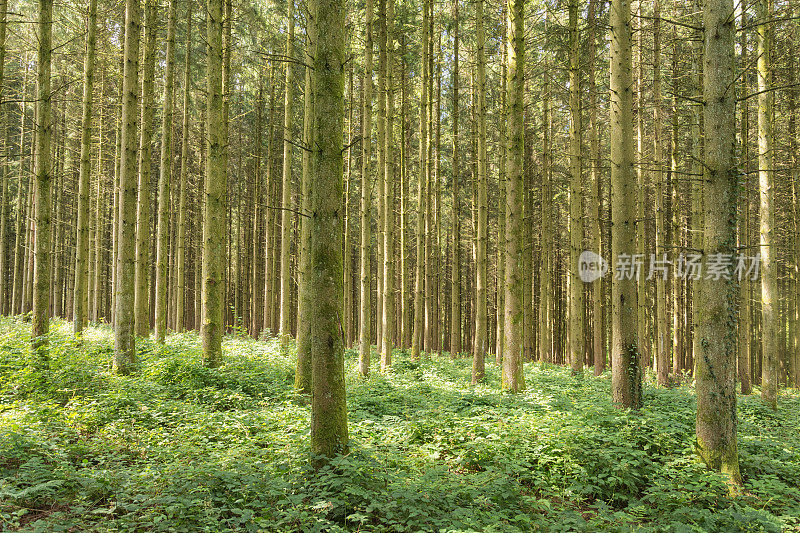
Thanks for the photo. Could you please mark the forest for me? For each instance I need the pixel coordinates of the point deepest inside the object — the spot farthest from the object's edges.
(400, 265)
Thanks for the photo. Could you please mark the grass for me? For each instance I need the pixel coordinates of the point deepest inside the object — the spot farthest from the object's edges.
(178, 447)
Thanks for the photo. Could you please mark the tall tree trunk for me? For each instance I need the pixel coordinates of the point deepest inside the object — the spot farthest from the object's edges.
(302, 376)
(455, 239)
(641, 197)
(575, 307)
(422, 193)
(165, 175)
(595, 201)
(347, 261)
(662, 328)
(180, 286)
(4, 171)
(547, 262)
(286, 218)
(142, 277)
(480, 344)
(81, 291)
(216, 186)
(745, 287)
(513, 377)
(769, 268)
(501, 215)
(23, 182)
(716, 362)
(388, 316)
(124, 339)
(366, 201)
(270, 233)
(626, 379)
(328, 405)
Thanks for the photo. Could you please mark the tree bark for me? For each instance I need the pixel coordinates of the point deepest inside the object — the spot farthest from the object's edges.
(716, 361)
(575, 307)
(329, 434)
(180, 286)
(626, 379)
(165, 175)
(769, 268)
(81, 290)
(216, 186)
(480, 343)
(124, 338)
(513, 378)
(142, 274)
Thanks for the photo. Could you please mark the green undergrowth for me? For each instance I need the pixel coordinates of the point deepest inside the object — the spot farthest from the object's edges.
(178, 447)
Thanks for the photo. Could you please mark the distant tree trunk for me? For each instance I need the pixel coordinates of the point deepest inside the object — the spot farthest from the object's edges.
(455, 239)
(124, 340)
(23, 182)
(716, 361)
(216, 186)
(165, 176)
(366, 201)
(501, 217)
(433, 331)
(180, 288)
(270, 232)
(347, 317)
(480, 343)
(662, 328)
(626, 381)
(142, 278)
(286, 218)
(641, 197)
(388, 317)
(513, 377)
(745, 287)
(422, 193)
(575, 308)
(547, 262)
(595, 201)
(769, 269)
(406, 303)
(302, 375)
(4, 200)
(329, 435)
(81, 297)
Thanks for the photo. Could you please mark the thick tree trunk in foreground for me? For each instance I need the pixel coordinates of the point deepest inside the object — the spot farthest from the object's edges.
(626, 380)
(328, 405)
(124, 341)
(513, 377)
(716, 360)
(216, 185)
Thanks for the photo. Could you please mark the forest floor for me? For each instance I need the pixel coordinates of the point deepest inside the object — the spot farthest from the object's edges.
(178, 447)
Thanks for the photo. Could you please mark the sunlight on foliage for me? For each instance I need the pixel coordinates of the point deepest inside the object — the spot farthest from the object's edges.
(179, 447)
